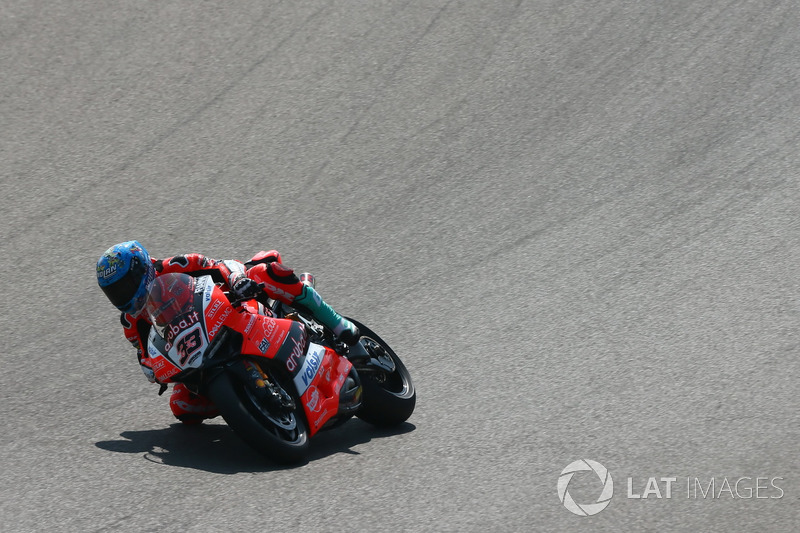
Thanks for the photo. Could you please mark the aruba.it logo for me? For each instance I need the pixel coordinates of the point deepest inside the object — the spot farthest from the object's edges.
(585, 509)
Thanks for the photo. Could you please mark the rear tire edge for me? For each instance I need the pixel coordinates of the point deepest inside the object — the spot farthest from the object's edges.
(382, 407)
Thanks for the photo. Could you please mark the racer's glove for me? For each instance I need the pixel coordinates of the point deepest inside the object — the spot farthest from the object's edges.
(148, 373)
(245, 288)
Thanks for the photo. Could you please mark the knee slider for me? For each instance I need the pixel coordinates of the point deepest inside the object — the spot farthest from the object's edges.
(264, 258)
(282, 274)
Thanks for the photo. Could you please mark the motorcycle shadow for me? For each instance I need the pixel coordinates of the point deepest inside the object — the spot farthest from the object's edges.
(213, 447)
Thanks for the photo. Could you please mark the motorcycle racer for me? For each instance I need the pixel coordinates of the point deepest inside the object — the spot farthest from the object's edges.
(126, 271)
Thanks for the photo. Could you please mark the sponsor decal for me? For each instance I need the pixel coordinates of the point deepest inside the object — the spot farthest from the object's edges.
(279, 340)
(213, 309)
(175, 329)
(200, 284)
(109, 272)
(313, 402)
(250, 323)
(213, 331)
(272, 333)
(114, 262)
(310, 367)
(269, 328)
(209, 290)
(152, 351)
(169, 373)
(263, 345)
(320, 418)
(272, 288)
(297, 352)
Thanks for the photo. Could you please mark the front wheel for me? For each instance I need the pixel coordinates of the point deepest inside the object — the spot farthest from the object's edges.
(389, 397)
(279, 435)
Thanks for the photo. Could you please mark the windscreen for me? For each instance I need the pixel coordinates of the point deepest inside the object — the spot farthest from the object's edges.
(170, 298)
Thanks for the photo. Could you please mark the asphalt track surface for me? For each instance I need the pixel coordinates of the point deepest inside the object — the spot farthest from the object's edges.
(577, 222)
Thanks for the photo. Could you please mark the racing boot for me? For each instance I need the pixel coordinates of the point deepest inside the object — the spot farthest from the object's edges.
(345, 331)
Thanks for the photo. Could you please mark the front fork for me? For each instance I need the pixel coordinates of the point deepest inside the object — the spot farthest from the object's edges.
(251, 374)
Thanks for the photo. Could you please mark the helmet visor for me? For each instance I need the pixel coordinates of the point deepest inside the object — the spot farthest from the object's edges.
(121, 292)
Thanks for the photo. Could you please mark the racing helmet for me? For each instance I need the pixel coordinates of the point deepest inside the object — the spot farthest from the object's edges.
(124, 273)
(170, 297)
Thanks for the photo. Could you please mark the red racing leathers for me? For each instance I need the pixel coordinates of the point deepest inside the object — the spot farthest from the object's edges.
(280, 283)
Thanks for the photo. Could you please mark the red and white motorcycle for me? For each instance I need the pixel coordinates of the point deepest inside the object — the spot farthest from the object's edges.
(276, 376)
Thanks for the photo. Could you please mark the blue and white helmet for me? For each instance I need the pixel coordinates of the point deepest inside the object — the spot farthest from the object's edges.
(125, 273)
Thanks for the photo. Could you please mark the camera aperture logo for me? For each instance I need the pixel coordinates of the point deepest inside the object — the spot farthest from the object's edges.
(585, 509)
(658, 487)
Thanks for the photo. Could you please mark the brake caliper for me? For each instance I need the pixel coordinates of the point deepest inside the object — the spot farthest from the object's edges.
(273, 396)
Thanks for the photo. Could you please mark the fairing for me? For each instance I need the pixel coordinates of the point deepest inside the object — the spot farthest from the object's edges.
(188, 313)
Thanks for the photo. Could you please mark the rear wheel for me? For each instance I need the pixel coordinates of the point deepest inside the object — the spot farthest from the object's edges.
(389, 397)
(280, 434)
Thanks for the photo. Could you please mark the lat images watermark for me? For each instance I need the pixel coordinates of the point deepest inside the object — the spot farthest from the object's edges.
(597, 479)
